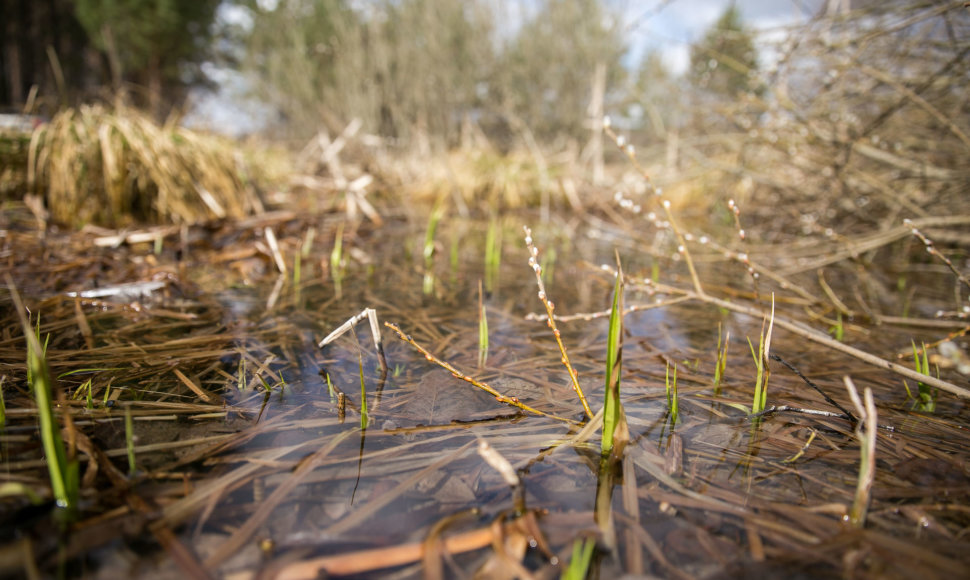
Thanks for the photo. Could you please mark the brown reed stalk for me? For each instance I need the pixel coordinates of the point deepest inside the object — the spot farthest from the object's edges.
(512, 401)
(630, 152)
(931, 249)
(790, 325)
(551, 321)
(743, 256)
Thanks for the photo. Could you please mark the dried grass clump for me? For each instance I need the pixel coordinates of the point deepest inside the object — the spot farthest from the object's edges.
(115, 167)
(477, 177)
(13, 163)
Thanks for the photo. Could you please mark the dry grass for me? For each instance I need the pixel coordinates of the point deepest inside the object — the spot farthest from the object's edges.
(118, 167)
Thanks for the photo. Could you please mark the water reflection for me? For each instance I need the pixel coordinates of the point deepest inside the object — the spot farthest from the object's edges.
(410, 464)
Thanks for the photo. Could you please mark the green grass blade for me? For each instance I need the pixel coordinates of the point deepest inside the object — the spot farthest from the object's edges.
(493, 254)
(580, 561)
(482, 329)
(130, 441)
(673, 402)
(3, 405)
(436, 214)
(614, 348)
(363, 392)
(62, 486)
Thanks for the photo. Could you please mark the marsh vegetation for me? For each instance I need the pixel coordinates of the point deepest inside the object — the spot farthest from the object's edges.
(736, 348)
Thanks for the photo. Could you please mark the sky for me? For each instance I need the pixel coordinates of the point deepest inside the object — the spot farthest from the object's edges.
(670, 26)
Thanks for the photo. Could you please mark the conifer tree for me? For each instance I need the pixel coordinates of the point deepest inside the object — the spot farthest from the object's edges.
(725, 60)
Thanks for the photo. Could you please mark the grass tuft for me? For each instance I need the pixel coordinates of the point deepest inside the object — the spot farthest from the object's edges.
(925, 399)
(761, 361)
(115, 167)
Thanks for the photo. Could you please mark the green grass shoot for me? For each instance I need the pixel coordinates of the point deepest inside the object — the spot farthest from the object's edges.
(64, 471)
(454, 258)
(549, 264)
(761, 360)
(86, 389)
(337, 260)
(241, 374)
(493, 254)
(130, 441)
(363, 386)
(3, 405)
(721, 364)
(612, 409)
(760, 392)
(436, 214)
(482, 329)
(837, 330)
(330, 388)
(925, 400)
(297, 265)
(673, 403)
(580, 561)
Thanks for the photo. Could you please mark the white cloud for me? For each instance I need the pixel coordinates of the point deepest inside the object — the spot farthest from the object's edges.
(676, 25)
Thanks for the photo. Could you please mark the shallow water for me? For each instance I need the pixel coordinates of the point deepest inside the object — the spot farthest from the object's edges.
(296, 478)
(766, 479)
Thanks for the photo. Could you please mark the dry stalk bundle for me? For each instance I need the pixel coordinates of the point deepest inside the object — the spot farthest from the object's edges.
(112, 168)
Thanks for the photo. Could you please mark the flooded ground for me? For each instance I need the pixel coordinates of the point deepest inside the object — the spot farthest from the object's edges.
(247, 455)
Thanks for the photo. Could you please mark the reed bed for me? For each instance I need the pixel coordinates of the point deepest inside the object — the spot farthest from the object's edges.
(206, 413)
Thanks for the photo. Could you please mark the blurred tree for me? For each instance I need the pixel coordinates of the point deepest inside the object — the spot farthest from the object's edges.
(431, 58)
(292, 52)
(44, 55)
(157, 43)
(404, 67)
(547, 69)
(725, 60)
(656, 93)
